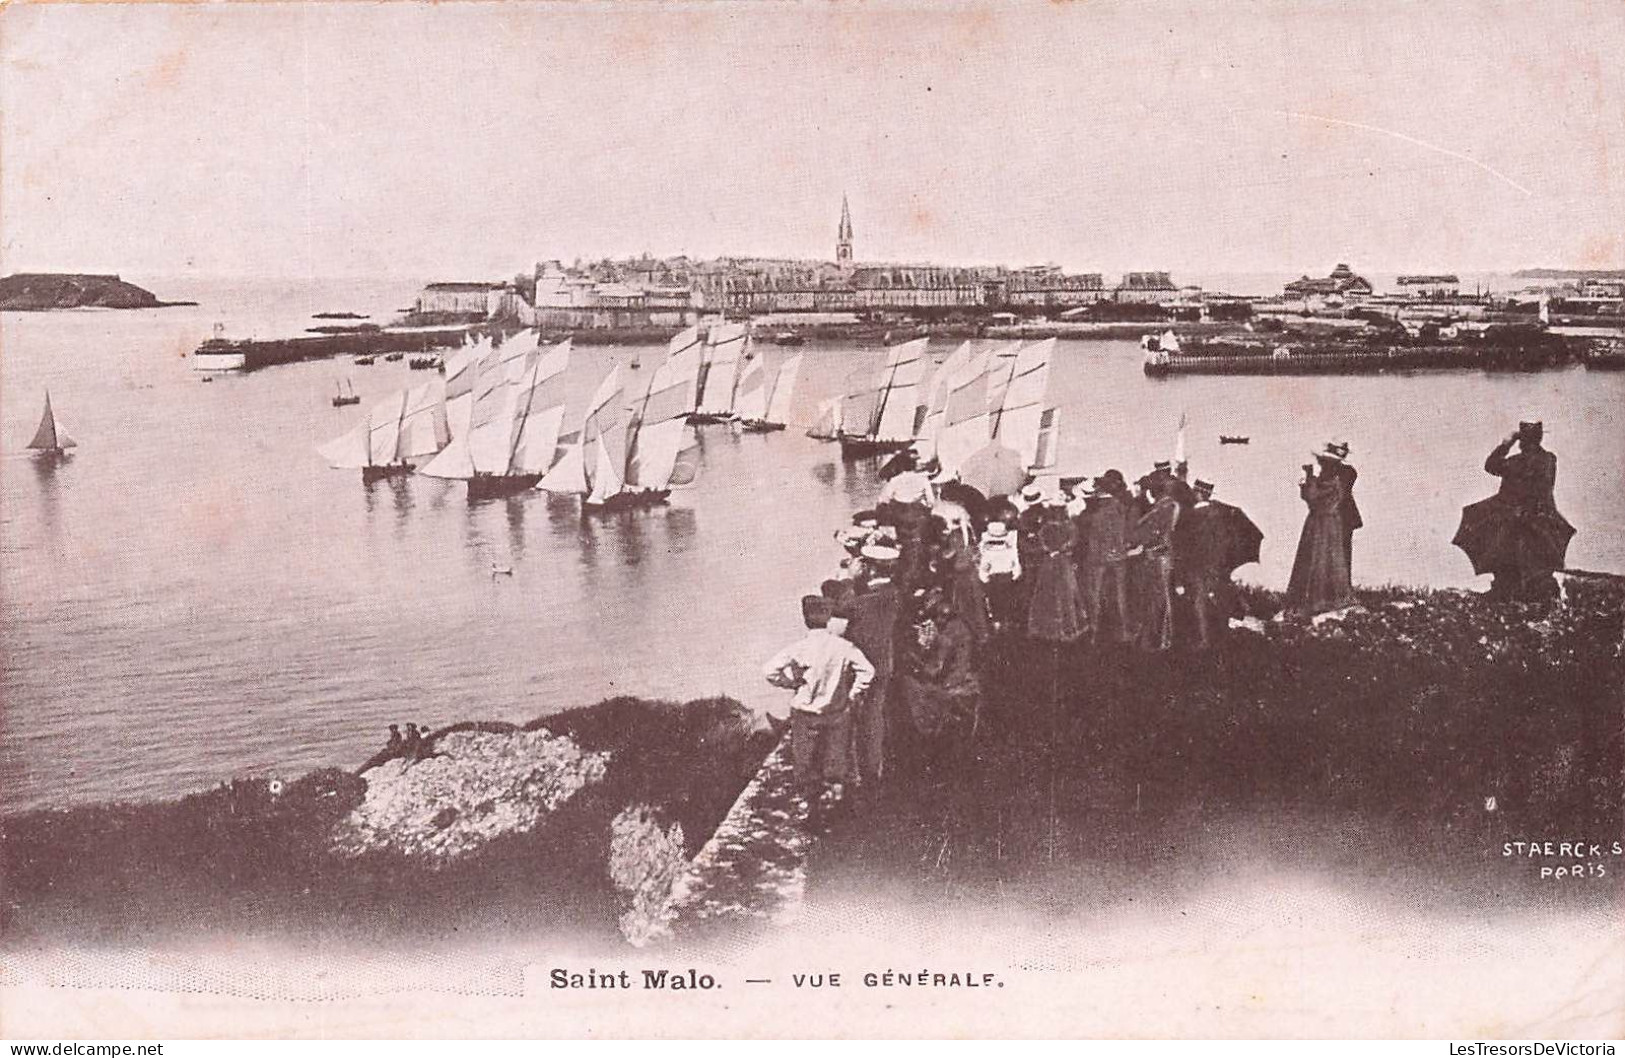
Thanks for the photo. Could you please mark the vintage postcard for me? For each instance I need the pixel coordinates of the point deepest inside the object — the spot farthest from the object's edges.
(952, 519)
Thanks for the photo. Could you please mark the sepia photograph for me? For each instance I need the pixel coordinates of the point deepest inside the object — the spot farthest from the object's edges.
(793, 520)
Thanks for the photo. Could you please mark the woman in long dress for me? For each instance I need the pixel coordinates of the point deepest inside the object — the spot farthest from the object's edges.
(1055, 613)
(1320, 573)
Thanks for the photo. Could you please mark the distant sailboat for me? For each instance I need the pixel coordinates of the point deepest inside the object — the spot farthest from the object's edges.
(890, 411)
(505, 417)
(409, 425)
(345, 395)
(762, 410)
(827, 420)
(725, 348)
(51, 439)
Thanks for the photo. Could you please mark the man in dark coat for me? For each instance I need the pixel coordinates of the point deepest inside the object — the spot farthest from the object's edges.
(872, 612)
(1518, 534)
(1217, 537)
(1103, 526)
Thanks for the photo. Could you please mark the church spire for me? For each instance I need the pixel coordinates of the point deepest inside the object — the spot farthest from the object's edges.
(843, 236)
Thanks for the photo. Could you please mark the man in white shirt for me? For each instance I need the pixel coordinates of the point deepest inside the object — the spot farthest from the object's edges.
(827, 673)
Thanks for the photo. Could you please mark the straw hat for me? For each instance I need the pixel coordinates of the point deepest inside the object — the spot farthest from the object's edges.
(881, 553)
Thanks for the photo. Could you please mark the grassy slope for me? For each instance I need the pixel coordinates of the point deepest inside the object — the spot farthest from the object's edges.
(1364, 748)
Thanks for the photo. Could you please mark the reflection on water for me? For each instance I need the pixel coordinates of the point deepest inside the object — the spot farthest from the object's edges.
(195, 595)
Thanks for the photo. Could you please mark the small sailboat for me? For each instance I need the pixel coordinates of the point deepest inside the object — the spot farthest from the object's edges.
(391, 358)
(887, 412)
(627, 459)
(1233, 439)
(51, 440)
(827, 420)
(364, 361)
(407, 426)
(726, 346)
(762, 410)
(505, 407)
(343, 399)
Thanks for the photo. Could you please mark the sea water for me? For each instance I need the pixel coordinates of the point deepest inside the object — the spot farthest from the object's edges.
(194, 595)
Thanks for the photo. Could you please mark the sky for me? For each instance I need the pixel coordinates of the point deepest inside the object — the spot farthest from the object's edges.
(468, 140)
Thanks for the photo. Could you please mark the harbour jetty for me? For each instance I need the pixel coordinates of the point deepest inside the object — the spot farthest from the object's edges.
(45, 291)
(1298, 355)
(247, 354)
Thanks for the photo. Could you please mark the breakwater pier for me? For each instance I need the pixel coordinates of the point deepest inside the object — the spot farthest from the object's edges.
(248, 354)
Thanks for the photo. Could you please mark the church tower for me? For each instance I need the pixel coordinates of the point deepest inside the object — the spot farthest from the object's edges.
(843, 237)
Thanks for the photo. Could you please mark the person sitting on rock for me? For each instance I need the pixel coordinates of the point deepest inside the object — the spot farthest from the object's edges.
(394, 737)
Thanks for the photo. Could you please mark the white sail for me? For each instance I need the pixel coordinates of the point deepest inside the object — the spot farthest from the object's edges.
(827, 420)
(540, 412)
(351, 451)
(569, 470)
(751, 404)
(466, 381)
(490, 431)
(900, 395)
(724, 346)
(1000, 369)
(652, 458)
(603, 439)
(383, 439)
(966, 422)
(784, 386)
(1019, 417)
(424, 430)
(51, 436)
(936, 402)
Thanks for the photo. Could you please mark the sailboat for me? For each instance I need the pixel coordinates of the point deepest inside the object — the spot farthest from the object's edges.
(725, 347)
(409, 425)
(827, 420)
(51, 440)
(1020, 419)
(343, 399)
(622, 460)
(890, 411)
(762, 410)
(936, 403)
(505, 418)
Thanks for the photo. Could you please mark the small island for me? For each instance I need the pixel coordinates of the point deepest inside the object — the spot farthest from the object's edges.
(42, 291)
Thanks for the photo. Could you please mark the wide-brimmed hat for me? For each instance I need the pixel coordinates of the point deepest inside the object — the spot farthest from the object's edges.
(1163, 464)
(1338, 450)
(1332, 453)
(881, 553)
(1205, 487)
(1032, 493)
(998, 530)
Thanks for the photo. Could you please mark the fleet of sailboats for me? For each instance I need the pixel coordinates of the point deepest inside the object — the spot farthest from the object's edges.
(51, 440)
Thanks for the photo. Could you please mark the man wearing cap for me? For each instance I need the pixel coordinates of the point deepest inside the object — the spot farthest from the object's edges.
(828, 674)
(1151, 577)
(1518, 535)
(871, 612)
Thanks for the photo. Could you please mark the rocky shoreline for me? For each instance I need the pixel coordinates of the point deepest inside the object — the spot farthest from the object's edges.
(50, 291)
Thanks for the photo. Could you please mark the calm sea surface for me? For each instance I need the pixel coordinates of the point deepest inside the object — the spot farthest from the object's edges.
(194, 595)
